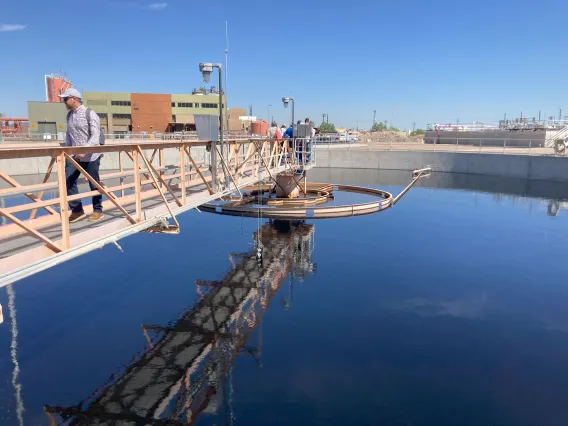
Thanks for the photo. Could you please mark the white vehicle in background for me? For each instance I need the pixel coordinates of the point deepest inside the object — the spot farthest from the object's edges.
(352, 137)
(336, 138)
(345, 137)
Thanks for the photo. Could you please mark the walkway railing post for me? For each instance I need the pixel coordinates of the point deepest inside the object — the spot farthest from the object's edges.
(63, 205)
(213, 165)
(121, 166)
(137, 186)
(162, 164)
(182, 169)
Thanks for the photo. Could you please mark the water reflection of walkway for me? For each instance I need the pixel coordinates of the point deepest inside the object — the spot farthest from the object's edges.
(183, 371)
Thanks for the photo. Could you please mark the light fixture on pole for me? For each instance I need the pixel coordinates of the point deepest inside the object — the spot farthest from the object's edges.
(268, 119)
(206, 68)
(286, 101)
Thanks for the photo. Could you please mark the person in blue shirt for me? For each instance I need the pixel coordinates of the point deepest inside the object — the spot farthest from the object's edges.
(288, 135)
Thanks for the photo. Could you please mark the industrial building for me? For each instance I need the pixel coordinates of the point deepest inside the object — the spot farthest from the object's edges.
(47, 118)
(145, 112)
(125, 112)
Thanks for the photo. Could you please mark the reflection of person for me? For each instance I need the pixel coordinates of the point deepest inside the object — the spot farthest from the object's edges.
(82, 131)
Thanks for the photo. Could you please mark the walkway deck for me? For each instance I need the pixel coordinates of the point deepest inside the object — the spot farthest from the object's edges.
(168, 181)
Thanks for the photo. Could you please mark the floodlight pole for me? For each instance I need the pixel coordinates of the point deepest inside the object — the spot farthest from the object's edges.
(221, 136)
(206, 69)
(285, 101)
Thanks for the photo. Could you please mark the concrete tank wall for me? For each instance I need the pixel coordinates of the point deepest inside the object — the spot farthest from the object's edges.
(519, 166)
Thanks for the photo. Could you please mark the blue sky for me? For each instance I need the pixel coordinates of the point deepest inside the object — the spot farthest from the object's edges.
(412, 61)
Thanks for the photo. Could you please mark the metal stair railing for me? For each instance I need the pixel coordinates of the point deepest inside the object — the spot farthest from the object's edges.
(560, 134)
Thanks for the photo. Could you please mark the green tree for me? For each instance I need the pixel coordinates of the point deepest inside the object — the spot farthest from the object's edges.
(327, 128)
(378, 127)
(312, 123)
(393, 129)
(417, 132)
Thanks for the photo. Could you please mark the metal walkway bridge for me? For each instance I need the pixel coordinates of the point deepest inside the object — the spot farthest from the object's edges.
(144, 184)
(183, 370)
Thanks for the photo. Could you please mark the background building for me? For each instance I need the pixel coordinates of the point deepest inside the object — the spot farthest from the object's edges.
(145, 112)
(121, 113)
(129, 112)
(47, 118)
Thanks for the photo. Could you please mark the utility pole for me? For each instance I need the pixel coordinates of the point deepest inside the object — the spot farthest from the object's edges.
(323, 118)
(250, 110)
(226, 73)
(374, 116)
(413, 126)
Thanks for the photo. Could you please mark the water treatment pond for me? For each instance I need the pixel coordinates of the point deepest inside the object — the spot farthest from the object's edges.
(448, 309)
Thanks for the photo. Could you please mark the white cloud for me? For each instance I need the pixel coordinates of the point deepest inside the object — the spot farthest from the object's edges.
(156, 6)
(11, 27)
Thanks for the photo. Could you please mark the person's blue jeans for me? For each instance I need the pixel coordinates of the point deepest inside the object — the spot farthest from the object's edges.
(72, 174)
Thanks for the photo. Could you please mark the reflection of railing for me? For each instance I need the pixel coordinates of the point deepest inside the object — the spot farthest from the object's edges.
(185, 366)
(153, 181)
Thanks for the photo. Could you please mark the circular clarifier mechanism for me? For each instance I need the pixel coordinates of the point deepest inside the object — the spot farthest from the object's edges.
(289, 196)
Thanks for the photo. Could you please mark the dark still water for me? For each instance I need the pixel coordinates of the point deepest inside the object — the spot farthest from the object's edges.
(448, 309)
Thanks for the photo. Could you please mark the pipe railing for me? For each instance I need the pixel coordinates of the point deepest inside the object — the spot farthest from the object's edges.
(152, 182)
(513, 146)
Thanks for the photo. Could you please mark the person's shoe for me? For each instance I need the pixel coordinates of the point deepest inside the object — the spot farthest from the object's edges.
(77, 216)
(95, 217)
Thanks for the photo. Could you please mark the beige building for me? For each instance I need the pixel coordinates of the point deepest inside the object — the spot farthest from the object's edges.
(134, 112)
(143, 112)
(235, 123)
(47, 118)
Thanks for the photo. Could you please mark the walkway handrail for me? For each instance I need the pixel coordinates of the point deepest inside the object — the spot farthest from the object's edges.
(153, 181)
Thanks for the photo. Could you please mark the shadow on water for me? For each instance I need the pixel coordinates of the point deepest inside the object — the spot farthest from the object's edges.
(183, 370)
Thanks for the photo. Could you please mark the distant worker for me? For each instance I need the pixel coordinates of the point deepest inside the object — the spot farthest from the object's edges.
(283, 130)
(274, 131)
(308, 145)
(307, 122)
(83, 129)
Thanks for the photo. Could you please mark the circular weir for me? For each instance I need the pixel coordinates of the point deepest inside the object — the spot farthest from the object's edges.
(314, 201)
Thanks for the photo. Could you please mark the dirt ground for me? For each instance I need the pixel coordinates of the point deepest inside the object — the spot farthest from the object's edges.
(389, 136)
